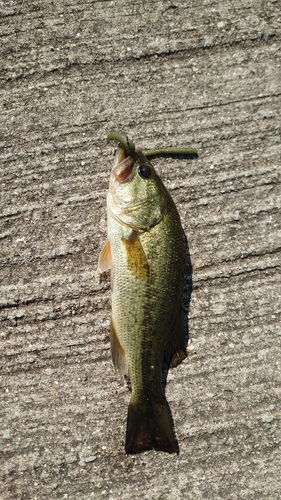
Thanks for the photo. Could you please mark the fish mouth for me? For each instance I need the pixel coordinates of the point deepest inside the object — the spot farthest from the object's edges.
(123, 166)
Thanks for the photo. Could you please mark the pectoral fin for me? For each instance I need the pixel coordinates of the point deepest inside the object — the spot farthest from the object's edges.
(117, 352)
(105, 258)
(136, 258)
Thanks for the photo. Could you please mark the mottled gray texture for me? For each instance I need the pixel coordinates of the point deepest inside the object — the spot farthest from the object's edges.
(201, 74)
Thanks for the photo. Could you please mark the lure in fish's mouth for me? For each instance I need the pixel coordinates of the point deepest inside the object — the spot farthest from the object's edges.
(126, 144)
(126, 156)
(127, 148)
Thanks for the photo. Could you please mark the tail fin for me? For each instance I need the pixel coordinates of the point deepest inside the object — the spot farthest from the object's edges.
(149, 427)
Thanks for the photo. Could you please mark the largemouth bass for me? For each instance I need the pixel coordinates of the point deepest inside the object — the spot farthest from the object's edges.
(146, 253)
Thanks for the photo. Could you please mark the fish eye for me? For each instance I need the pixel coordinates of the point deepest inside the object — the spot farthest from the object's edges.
(144, 171)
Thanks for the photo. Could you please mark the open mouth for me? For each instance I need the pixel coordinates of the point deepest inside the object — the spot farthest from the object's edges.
(124, 170)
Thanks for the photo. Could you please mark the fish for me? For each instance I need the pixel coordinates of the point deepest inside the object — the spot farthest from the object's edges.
(145, 251)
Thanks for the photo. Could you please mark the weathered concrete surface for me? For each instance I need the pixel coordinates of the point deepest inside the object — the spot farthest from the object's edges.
(204, 74)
